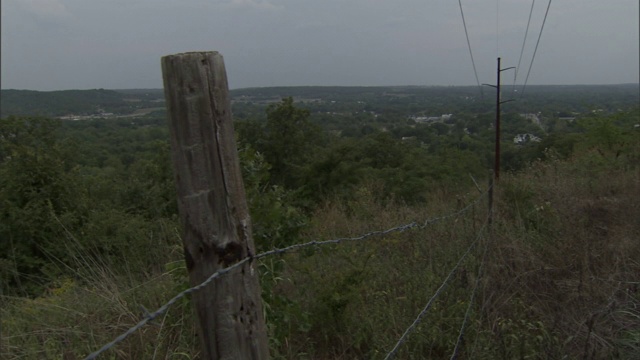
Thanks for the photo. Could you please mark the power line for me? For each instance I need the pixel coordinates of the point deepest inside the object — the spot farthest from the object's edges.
(443, 286)
(466, 33)
(526, 33)
(536, 49)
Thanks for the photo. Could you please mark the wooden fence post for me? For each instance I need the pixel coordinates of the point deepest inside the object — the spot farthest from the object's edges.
(213, 209)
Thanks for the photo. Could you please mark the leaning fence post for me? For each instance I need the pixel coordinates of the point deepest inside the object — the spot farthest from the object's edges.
(212, 205)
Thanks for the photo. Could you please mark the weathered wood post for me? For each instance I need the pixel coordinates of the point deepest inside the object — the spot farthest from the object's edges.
(213, 208)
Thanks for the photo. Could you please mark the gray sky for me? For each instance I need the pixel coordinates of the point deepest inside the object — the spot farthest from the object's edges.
(83, 44)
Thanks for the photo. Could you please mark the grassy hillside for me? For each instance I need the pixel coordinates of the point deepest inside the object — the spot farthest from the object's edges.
(90, 238)
(560, 279)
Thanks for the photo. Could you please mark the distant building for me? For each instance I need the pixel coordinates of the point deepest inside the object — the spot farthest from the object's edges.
(522, 139)
(431, 119)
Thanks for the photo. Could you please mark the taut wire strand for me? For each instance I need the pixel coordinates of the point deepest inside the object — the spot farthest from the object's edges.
(151, 316)
(471, 299)
(526, 33)
(443, 286)
(536, 49)
(466, 33)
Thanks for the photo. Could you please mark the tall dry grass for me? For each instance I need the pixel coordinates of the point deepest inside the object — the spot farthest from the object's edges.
(562, 280)
(566, 262)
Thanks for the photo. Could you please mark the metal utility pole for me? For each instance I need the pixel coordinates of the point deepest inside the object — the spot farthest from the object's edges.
(496, 166)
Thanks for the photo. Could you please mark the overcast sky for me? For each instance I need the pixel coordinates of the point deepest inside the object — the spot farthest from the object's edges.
(117, 44)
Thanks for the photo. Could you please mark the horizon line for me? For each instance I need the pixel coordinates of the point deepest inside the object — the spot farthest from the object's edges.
(327, 86)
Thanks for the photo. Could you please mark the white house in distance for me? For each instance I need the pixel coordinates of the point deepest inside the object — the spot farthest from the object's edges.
(522, 139)
(431, 119)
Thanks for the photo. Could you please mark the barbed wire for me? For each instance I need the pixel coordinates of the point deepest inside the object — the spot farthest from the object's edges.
(443, 286)
(459, 212)
(151, 316)
(454, 355)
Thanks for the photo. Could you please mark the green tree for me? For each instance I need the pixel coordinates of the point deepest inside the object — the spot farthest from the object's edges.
(603, 135)
(276, 222)
(289, 141)
(36, 192)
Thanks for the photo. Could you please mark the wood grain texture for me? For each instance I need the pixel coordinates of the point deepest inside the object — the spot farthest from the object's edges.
(213, 207)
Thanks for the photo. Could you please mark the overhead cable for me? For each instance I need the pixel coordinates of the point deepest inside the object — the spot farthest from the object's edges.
(526, 33)
(466, 33)
(536, 49)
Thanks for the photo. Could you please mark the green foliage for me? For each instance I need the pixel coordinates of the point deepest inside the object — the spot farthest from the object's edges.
(74, 320)
(603, 135)
(37, 189)
(77, 102)
(288, 141)
(522, 338)
(49, 198)
(560, 145)
(276, 221)
(89, 232)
